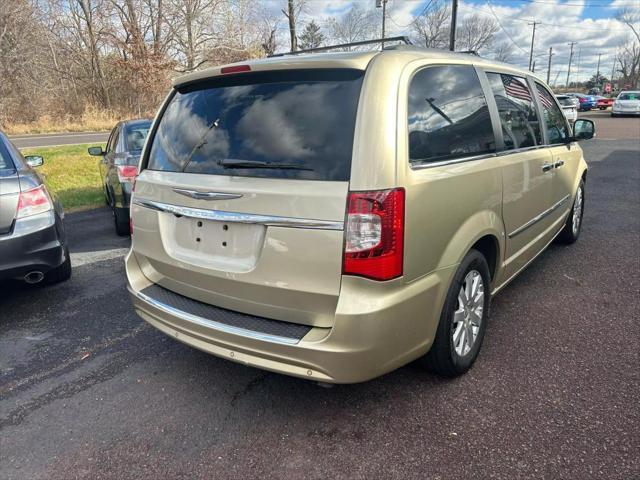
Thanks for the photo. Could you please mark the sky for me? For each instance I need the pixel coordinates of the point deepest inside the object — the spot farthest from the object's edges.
(590, 23)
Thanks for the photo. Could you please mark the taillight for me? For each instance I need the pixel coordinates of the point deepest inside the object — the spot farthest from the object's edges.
(127, 173)
(374, 236)
(582, 100)
(34, 201)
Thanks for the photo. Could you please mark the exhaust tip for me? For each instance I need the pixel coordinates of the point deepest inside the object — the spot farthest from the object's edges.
(34, 277)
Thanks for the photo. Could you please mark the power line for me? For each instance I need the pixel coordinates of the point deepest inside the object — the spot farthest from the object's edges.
(502, 27)
(528, 20)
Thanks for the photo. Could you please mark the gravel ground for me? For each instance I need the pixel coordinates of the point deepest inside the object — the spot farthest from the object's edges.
(87, 390)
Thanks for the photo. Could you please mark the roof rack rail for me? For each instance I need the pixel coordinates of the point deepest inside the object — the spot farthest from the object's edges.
(469, 52)
(404, 39)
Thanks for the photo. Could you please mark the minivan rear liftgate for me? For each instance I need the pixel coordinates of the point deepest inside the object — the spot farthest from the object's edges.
(240, 203)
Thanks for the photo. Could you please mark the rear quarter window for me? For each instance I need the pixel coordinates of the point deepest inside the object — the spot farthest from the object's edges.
(295, 124)
(448, 116)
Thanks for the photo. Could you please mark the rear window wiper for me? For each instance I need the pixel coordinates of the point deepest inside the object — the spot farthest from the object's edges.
(235, 163)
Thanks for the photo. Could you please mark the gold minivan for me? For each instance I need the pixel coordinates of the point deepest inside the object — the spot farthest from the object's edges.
(335, 216)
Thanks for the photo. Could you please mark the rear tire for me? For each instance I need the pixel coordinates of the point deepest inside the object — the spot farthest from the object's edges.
(464, 319)
(572, 227)
(121, 219)
(60, 273)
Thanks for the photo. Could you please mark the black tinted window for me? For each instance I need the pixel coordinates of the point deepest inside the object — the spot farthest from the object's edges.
(290, 124)
(554, 119)
(518, 116)
(448, 115)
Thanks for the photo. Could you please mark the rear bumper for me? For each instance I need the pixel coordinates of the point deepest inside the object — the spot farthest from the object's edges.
(368, 338)
(620, 111)
(35, 244)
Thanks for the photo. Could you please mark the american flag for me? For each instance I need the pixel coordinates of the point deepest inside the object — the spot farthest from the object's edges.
(545, 98)
(518, 89)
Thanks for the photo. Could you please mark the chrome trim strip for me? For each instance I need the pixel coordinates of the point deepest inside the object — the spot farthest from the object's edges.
(504, 153)
(207, 195)
(453, 161)
(539, 217)
(233, 217)
(205, 322)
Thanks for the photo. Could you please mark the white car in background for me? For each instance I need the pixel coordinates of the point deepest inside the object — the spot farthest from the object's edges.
(627, 103)
(569, 107)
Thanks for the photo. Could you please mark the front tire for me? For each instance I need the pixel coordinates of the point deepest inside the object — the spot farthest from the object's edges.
(572, 227)
(463, 321)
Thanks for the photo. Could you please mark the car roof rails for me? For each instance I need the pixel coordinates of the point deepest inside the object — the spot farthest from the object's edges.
(382, 41)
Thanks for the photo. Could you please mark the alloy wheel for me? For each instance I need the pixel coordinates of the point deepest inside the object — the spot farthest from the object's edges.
(577, 211)
(468, 316)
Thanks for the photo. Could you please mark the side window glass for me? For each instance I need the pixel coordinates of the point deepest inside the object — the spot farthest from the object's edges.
(518, 116)
(5, 159)
(554, 119)
(448, 116)
(113, 139)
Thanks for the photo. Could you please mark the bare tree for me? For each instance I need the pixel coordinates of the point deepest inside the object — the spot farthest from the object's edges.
(629, 52)
(293, 11)
(355, 25)
(431, 27)
(503, 51)
(476, 32)
(631, 18)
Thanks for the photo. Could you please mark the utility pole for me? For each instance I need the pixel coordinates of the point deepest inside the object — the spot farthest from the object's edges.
(383, 4)
(598, 70)
(533, 68)
(549, 66)
(613, 70)
(452, 30)
(578, 66)
(570, 58)
(533, 38)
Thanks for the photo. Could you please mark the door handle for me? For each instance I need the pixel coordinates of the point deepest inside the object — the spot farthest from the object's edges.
(547, 166)
(559, 163)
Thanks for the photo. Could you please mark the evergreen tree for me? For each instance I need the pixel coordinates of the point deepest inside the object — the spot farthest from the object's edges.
(312, 36)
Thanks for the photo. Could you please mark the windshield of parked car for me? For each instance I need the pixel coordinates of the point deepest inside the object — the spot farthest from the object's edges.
(629, 96)
(277, 124)
(136, 134)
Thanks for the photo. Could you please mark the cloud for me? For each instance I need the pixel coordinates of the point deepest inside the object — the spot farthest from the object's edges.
(594, 28)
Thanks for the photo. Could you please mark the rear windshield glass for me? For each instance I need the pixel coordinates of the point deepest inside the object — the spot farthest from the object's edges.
(136, 134)
(565, 101)
(283, 124)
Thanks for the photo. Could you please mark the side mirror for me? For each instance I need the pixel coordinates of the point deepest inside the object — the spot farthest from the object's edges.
(34, 160)
(96, 151)
(583, 130)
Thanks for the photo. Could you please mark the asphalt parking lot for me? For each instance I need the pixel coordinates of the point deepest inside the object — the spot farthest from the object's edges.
(87, 390)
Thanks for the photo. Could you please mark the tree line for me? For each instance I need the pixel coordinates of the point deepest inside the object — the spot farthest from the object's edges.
(61, 57)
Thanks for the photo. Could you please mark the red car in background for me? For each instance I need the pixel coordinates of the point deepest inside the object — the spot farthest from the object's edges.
(603, 103)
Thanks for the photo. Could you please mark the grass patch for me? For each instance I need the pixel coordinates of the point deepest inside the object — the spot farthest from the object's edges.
(93, 119)
(72, 174)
